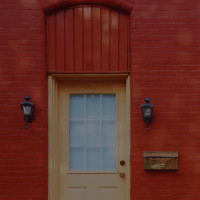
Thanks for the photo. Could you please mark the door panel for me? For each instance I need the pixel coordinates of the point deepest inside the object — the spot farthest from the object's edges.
(91, 140)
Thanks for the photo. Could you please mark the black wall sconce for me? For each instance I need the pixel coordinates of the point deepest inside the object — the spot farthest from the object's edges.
(147, 111)
(27, 110)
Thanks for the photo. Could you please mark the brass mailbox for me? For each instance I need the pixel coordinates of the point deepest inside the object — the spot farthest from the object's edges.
(160, 160)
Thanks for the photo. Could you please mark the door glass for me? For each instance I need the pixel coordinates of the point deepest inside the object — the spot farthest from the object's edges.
(92, 132)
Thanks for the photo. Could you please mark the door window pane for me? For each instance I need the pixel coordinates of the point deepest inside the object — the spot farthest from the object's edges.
(76, 106)
(92, 106)
(93, 159)
(108, 132)
(108, 107)
(76, 132)
(108, 158)
(76, 158)
(93, 132)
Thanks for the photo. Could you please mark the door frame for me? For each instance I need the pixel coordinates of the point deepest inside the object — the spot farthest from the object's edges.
(53, 125)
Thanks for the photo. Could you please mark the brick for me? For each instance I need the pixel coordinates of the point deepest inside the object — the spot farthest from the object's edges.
(23, 155)
(165, 66)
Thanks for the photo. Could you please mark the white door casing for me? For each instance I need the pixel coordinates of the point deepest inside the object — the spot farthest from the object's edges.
(66, 182)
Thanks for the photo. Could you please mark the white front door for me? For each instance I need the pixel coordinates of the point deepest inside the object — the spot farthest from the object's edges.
(92, 156)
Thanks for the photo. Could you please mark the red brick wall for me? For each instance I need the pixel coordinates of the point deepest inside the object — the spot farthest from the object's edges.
(23, 153)
(165, 65)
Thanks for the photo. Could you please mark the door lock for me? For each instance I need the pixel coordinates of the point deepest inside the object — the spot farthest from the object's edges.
(122, 175)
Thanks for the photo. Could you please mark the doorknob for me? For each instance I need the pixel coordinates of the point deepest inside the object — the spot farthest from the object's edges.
(122, 162)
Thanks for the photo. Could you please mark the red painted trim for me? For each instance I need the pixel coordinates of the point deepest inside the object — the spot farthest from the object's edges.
(120, 5)
(89, 72)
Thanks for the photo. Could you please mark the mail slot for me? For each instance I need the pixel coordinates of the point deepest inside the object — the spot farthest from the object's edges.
(159, 160)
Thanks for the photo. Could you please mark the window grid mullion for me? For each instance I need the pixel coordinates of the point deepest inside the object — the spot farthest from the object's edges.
(100, 133)
(85, 145)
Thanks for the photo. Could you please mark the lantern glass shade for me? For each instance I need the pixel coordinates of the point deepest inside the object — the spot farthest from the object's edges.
(147, 112)
(27, 110)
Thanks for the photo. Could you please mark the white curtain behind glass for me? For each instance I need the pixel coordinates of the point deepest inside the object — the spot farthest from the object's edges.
(92, 132)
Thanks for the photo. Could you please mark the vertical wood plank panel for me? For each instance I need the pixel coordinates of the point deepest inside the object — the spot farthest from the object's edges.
(51, 43)
(114, 41)
(60, 60)
(105, 19)
(87, 33)
(69, 40)
(123, 42)
(96, 35)
(88, 39)
(78, 43)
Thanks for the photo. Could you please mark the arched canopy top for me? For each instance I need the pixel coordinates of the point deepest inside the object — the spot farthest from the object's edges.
(121, 5)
